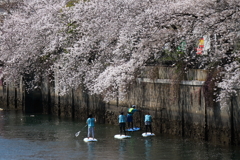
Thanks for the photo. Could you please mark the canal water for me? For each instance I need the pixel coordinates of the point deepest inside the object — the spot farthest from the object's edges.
(41, 137)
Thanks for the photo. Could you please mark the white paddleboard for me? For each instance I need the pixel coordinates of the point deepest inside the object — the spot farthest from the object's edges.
(118, 136)
(148, 134)
(90, 139)
(134, 129)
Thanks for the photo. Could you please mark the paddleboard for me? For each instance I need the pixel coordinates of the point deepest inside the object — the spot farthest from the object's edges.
(134, 129)
(90, 139)
(148, 134)
(118, 136)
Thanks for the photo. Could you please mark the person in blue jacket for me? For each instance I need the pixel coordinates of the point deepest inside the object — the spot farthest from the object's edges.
(131, 111)
(122, 123)
(148, 122)
(91, 124)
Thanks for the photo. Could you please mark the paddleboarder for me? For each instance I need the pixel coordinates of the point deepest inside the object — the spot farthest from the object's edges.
(91, 123)
(131, 111)
(122, 123)
(148, 122)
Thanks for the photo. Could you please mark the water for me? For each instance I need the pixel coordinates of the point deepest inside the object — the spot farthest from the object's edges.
(41, 137)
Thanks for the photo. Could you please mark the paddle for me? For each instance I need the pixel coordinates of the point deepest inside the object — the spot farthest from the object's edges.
(77, 134)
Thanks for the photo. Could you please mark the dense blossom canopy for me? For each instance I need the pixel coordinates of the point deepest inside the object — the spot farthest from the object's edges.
(103, 44)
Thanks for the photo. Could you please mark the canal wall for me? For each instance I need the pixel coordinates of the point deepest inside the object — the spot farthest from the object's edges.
(180, 103)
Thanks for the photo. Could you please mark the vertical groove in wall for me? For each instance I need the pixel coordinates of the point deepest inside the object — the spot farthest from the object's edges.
(182, 109)
(59, 106)
(232, 121)
(205, 121)
(23, 94)
(49, 101)
(143, 101)
(117, 97)
(73, 105)
(7, 95)
(87, 103)
(161, 121)
(15, 97)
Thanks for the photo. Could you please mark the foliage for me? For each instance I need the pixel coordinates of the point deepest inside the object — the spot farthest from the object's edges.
(102, 44)
(71, 3)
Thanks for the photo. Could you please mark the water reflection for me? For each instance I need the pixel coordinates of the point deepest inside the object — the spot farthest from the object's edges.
(148, 147)
(77, 144)
(122, 149)
(91, 150)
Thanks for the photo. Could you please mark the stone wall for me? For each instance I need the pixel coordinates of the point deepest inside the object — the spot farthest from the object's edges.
(178, 105)
(11, 97)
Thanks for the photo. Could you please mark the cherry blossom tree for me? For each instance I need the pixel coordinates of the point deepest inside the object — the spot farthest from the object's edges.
(104, 44)
(30, 39)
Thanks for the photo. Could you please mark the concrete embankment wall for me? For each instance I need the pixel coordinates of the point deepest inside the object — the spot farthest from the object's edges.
(179, 106)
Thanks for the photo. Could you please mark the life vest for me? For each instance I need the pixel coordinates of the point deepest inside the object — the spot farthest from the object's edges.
(130, 110)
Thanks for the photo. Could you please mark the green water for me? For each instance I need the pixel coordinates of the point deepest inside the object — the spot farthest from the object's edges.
(41, 137)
